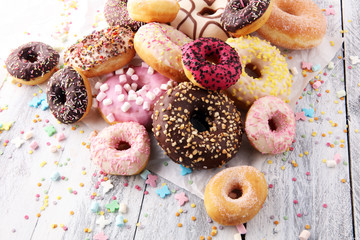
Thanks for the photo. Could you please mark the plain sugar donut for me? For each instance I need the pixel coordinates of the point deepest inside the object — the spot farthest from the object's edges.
(235, 195)
(270, 125)
(295, 24)
(107, 152)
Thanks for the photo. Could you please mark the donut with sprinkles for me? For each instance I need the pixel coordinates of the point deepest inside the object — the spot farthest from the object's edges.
(242, 17)
(32, 63)
(197, 128)
(69, 95)
(102, 51)
(211, 63)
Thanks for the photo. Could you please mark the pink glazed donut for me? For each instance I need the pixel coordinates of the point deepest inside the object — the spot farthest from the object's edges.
(211, 63)
(270, 125)
(130, 94)
(121, 149)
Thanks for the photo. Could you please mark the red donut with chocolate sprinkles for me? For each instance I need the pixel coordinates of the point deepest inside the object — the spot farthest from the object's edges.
(69, 95)
(197, 128)
(32, 63)
(211, 63)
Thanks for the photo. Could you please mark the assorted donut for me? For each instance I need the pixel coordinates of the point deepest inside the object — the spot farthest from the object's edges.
(188, 89)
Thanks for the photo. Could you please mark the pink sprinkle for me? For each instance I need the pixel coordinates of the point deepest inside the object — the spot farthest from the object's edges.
(146, 192)
(6, 141)
(65, 228)
(75, 192)
(114, 198)
(62, 177)
(271, 186)
(299, 214)
(291, 149)
(126, 184)
(294, 179)
(325, 205)
(325, 74)
(48, 143)
(295, 202)
(26, 217)
(328, 144)
(22, 132)
(47, 120)
(349, 67)
(319, 95)
(92, 196)
(37, 195)
(34, 145)
(307, 173)
(94, 174)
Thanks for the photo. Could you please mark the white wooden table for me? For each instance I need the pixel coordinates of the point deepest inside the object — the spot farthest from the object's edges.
(303, 192)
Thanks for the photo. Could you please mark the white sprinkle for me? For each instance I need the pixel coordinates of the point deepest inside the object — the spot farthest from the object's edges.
(125, 107)
(101, 96)
(294, 71)
(53, 149)
(127, 87)
(123, 208)
(98, 85)
(146, 106)
(341, 93)
(150, 95)
(171, 83)
(94, 103)
(119, 71)
(331, 65)
(28, 135)
(146, 87)
(331, 163)
(121, 98)
(132, 96)
(130, 72)
(144, 65)
(150, 71)
(17, 142)
(107, 102)
(134, 77)
(118, 89)
(134, 86)
(157, 91)
(354, 60)
(304, 235)
(104, 87)
(139, 101)
(164, 87)
(122, 78)
(110, 117)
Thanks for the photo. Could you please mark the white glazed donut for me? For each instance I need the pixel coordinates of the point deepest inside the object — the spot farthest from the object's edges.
(270, 125)
(105, 148)
(201, 18)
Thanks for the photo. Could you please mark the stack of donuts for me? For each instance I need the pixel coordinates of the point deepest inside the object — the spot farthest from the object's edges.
(199, 67)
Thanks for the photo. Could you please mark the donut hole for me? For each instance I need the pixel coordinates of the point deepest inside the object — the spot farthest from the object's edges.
(235, 193)
(199, 122)
(60, 96)
(29, 55)
(121, 146)
(275, 122)
(205, 12)
(212, 58)
(253, 70)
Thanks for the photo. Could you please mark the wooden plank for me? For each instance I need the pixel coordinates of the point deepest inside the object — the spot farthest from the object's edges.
(351, 21)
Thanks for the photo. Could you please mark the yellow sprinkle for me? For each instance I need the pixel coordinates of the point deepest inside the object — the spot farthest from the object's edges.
(269, 162)
(329, 132)
(324, 160)
(356, 130)
(332, 43)
(181, 210)
(322, 112)
(101, 212)
(81, 131)
(54, 225)
(81, 184)
(301, 155)
(336, 101)
(58, 146)
(340, 111)
(193, 205)
(342, 140)
(306, 153)
(125, 220)
(71, 212)
(311, 120)
(313, 134)
(179, 224)
(349, 20)
(343, 180)
(282, 167)
(138, 224)
(58, 197)
(40, 91)
(29, 151)
(43, 164)
(83, 172)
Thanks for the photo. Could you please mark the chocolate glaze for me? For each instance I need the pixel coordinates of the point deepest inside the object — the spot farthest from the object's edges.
(116, 13)
(31, 60)
(67, 95)
(240, 13)
(197, 128)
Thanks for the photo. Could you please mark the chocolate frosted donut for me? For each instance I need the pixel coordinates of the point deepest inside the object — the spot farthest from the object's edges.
(242, 17)
(69, 95)
(197, 128)
(32, 63)
(116, 13)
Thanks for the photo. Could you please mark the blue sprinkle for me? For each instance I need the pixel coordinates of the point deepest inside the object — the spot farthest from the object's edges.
(55, 176)
(144, 174)
(163, 192)
(185, 170)
(119, 221)
(44, 105)
(34, 102)
(309, 112)
(95, 207)
(316, 67)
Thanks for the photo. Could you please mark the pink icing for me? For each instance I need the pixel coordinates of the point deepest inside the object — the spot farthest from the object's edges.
(123, 103)
(259, 131)
(104, 151)
(220, 74)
